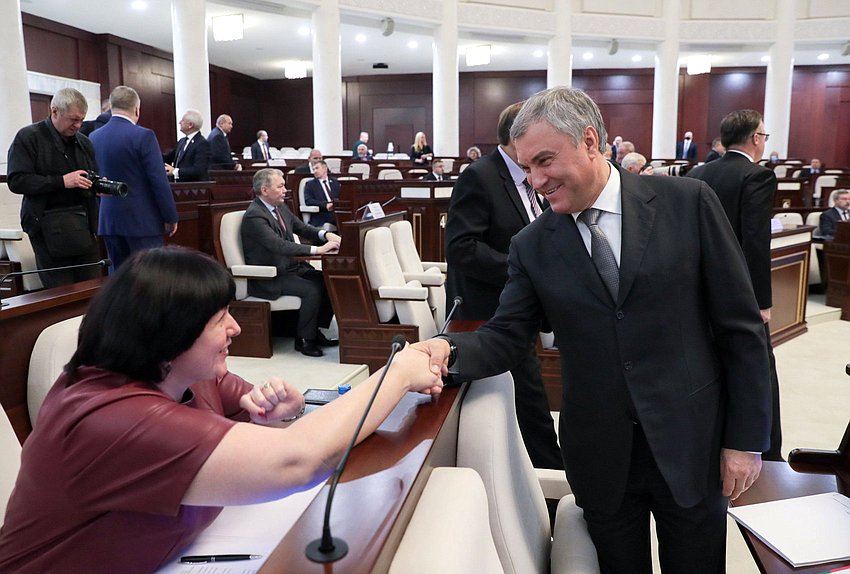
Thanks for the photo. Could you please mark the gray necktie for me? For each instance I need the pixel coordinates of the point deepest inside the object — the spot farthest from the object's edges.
(532, 199)
(600, 251)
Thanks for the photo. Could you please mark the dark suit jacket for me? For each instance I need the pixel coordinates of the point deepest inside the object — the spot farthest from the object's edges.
(264, 243)
(257, 151)
(314, 195)
(682, 350)
(88, 127)
(37, 163)
(746, 191)
(692, 150)
(430, 176)
(195, 163)
(303, 168)
(711, 156)
(485, 212)
(130, 153)
(806, 173)
(220, 156)
(829, 223)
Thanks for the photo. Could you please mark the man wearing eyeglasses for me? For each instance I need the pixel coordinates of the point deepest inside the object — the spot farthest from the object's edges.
(48, 161)
(746, 191)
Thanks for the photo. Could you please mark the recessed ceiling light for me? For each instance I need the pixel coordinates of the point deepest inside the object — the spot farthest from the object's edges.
(587, 56)
(413, 44)
(537, 53)
(823, 56)
(637, 58)
(228, 28)
(765, 59)
(304, 30)
(360, 38)
(139, 5)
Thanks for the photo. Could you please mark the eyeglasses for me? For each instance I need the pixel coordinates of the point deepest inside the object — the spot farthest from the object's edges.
(765, 136)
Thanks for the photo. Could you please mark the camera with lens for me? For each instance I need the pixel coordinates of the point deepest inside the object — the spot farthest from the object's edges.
(103, 186)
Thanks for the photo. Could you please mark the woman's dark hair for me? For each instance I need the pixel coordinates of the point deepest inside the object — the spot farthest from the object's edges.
(150, 311)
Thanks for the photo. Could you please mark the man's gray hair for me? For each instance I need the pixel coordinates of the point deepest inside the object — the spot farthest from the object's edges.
(195, 117)
(264, 178)
(633, 158)
(221, 119)
(567, 110)
(68, 98)
(124, 98)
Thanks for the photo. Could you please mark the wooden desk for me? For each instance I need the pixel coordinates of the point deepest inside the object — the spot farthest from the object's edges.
(790, 253)
(379, 489)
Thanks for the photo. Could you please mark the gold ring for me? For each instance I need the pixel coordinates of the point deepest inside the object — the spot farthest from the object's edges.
(267, 386)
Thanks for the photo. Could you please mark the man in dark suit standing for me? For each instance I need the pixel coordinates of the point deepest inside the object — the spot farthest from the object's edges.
(268, 238)
(666, 399)
(840, 211)
(322, 192)
(746, 190)
(129, 153)
(220, 153)
(190, 160)
(260, 148)
(489, 205)
(687, 149)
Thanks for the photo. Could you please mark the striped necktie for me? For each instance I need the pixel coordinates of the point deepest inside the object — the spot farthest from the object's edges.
(532, 199)
(600, 251)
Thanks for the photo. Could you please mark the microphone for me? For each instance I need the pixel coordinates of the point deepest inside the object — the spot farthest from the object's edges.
(328, 548)
(101, 263)
(457, 302)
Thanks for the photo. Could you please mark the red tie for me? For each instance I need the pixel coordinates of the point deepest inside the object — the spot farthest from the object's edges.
(280, 220)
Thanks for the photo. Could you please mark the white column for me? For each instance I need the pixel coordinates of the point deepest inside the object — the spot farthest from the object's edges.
(780, 76)
(14, 93)
(446, 84)
(559, 71)
(191, 61)
(665, 97)
(327, 79)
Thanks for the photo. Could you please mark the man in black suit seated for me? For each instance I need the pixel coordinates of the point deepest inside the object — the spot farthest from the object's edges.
(840, 211)
(436, 173)
(260, 148)
(813, 170)
(220, 154)
(687, 148)
(314, 158)
(190, 160)
(268, 238)
(322, 192)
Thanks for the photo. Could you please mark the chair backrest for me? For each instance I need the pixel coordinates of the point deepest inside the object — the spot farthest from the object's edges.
(10, 461)
(411, 262)
(823, 181)
(789, 218)
(390, 174)
(463, 167)
(417, 313)
(382, 267)
(333, 164)
(53, 349)
(813, 218)
(18, 248)
(448, 164)
(230, 235)
(305, 215)
(489, 442)
(780, 170)
(360, 167)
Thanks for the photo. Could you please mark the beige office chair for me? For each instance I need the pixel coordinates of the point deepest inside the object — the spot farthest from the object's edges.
(306, 210)
(53, 349)
(361, 168)
(334, 164)
(489, 441)
(18, 248)
(823, 181)
(10, 462)
(463, 167)
(416, 172)
(456, 497)
(789, 219)
(780, 170)
(390, 174)
(448, 164)
(430, 274)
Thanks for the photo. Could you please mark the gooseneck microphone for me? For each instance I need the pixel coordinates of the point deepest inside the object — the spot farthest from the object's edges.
(456, 302)
(328, 548)
(101, 263)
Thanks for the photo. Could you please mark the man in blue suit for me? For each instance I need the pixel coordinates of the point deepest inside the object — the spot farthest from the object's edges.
(129, 153)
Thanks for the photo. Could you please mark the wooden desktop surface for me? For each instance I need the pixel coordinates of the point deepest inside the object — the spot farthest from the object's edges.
(378, 490)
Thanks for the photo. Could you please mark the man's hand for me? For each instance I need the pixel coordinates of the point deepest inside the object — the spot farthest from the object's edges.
(76, 179)
(333, 237)
(169, 169)
(329, 206)
(438, 349)
(171, 229)
(765, 315)
(329, 247)
(238, 166)
(739, 470)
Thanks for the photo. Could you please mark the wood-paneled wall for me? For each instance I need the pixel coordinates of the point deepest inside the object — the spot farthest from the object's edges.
(393, 108)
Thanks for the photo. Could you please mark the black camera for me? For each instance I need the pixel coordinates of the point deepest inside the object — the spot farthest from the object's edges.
(103, 186)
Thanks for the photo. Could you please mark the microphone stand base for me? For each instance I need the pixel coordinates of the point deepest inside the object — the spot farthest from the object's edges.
(313, 552)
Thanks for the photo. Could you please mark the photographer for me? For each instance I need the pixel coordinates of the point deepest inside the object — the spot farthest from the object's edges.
(129, 153)
(48, 161)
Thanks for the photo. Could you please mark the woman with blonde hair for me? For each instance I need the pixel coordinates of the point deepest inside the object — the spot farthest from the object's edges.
(420, 151)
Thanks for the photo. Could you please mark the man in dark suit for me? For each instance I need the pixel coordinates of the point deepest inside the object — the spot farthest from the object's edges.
(314, 158)
(813, 170)
(840, 211)
(220, 154)
(129, 153)
(687, 148)
(268, 238)
(100, 121)
(190, 160)
(666, 399)
(322, 192)
(260, 148)
(716, 152)
(489, 205)
(436, 173)
(746, 190)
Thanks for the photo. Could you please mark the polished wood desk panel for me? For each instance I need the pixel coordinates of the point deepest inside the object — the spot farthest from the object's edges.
(21, 322)
(790, 253)
(379, 489)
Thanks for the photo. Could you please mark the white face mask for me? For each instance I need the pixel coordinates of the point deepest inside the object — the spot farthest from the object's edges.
(774, 157)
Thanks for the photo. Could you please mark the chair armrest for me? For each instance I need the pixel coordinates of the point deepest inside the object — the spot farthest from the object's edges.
(309, 209)
(441, 265)
(553, 482)
(11, 234)
(427, 279)
(403, 293)
(572, 548)
(255, 271)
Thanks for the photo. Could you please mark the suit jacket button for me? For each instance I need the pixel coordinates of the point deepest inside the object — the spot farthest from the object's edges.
(627, 365)
(620, 314)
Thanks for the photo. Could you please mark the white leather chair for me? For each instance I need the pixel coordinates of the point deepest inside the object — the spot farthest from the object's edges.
(390, 174)
(53, 349)
(489, 441)
(361, 168)
(823, 181)
(448, 164)
(429, 273)
(789, 219)
(780, 170)
(306, 210)
(234, 259)
(463, 167)
(456, 497)
(10, 462)
(18, 248)
(333, 164)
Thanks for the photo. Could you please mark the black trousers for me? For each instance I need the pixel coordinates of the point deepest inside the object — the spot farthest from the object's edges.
(316, 310)
(533, 414)
(44, 260)
(775, 450)
(690, 540)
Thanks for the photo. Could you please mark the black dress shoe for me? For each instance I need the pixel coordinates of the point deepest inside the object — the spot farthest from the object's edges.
(323, 341)
(307, 347)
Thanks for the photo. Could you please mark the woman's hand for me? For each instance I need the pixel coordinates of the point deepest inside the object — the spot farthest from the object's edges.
(413, 368)
(273, 401)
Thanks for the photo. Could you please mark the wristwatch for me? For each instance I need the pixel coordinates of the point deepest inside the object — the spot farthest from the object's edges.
(452, 349)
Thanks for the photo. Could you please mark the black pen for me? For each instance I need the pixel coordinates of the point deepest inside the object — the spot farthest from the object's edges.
(218, 558)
